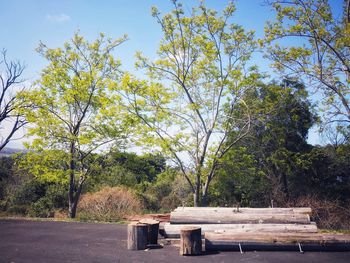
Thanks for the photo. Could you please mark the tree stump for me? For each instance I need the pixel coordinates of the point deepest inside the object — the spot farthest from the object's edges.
(153, 229)
(137, 236)
(190, 241)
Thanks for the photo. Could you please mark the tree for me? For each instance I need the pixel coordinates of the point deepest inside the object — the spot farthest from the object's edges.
(128, 169)
(324, 173)
(10, 103)
(199, 77)
(281, 118)
(322, 56)
(71, 104)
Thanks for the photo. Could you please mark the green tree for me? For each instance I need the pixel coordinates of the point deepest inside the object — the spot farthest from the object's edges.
(322, 54)
(201, 73)
(281, 118)
(129, 169)
(71, 104)
(323, 172)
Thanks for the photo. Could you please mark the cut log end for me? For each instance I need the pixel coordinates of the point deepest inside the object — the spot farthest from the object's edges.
(153, 229)
(190, 241)
(137, 236)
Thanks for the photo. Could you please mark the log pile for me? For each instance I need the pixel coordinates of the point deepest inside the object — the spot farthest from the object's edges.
(254, 228)
(234, 241)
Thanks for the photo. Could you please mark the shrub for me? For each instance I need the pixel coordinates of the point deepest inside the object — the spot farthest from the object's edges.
(29, 192)
(328, 214)
(108, 204)
(42, 208)
(17, 209)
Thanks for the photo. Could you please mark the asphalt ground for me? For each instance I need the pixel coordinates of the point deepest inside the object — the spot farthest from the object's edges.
(50, 242)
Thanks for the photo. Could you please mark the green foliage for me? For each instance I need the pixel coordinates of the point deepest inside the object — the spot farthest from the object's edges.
(50, 166)
(281, 118)
(128, 169)
(38, 199)
(321, 56)
(71, 99)
(323, 172)
(6, 166)
(240, 181)
(168, 191)
(71, 113)
(200, 74)
(42, 208)
(29, 193)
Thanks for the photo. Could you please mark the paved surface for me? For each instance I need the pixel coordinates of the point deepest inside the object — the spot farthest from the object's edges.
(30, 241)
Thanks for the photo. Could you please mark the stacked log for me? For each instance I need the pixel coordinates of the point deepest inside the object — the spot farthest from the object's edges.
(232, 228)
(248, 210)
(220, 219)
(310, 241)
(230, 217)
(173, 230)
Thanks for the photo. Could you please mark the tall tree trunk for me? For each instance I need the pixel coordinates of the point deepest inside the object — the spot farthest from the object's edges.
(73, 207)
(285, 185)
(196, 198)
(204, 201)
(196, 194)
(71, 203)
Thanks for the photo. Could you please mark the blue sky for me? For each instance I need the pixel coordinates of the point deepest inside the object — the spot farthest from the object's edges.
(24, 23)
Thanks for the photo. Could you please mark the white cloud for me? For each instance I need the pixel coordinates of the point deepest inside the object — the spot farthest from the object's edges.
(58, 18)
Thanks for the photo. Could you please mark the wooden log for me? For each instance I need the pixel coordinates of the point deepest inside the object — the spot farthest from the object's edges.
(232, 241)
(212, 217)
(137, 236)
(153, 229)
(249, 210)
(190, 241)
(173, 230)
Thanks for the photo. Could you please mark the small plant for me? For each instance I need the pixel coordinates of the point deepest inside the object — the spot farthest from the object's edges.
(109, 204)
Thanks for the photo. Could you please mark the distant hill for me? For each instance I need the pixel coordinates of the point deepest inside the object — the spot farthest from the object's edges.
(10, 151)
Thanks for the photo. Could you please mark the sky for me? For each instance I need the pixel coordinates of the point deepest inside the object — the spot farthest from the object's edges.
(24, 23)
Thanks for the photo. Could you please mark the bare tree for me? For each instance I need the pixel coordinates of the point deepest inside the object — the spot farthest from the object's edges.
(10, 104)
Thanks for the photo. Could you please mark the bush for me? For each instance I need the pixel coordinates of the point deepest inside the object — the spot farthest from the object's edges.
(17, 209)
(37, 199)
(169, 191)
(328, 214)
(42, 208)
(109, 204)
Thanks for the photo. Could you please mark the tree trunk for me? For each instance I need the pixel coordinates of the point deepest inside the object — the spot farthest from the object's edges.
(196, 199)
(76, 195)
(71, 203)
(72, 210)
(204, 201)
(196, 195)
(285, 185)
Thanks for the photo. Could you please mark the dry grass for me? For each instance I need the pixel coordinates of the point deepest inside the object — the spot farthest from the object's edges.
(327, 214)
(110, 204)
